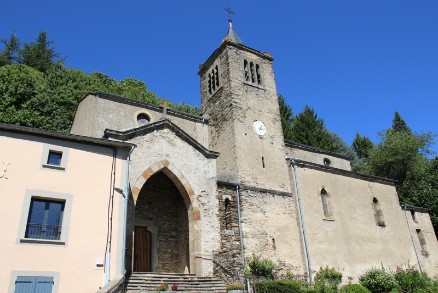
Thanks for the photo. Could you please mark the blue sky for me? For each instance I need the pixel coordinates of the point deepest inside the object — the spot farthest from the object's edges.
(354, 62)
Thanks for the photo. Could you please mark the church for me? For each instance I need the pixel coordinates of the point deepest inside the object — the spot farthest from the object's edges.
(196, 194)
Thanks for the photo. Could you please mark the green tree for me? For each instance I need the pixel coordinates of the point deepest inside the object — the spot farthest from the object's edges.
(310, 130)
(398, 154)
(402, 155)
(399, 124)
(362, 146)
(286, 116)
(9, 54)
(39, 54)
(19, 84)
(338, 145)
(136, 89)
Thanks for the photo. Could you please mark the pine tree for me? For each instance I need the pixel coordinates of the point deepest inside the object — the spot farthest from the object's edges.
(39, 54)
(9, 54)
(287, 116)
(308, 129)
(362, 146)
(398, 124)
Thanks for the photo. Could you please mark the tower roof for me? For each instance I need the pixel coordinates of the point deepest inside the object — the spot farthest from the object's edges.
(232, 35)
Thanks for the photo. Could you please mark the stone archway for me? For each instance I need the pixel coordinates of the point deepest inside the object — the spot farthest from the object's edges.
(163, 186)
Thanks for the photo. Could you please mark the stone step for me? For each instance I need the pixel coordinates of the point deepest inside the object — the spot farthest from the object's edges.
(142, 282)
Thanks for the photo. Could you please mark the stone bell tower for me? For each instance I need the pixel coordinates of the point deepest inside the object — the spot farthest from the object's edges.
(239, 96)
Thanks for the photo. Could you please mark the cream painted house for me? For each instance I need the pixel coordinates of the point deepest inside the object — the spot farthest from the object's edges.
(203, 193)
(63, 216)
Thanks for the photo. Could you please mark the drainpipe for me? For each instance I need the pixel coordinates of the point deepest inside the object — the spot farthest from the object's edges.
(303, 229)
(240, 225)
(107, 266)
(412, 238)
(125, 220)
(203, 142)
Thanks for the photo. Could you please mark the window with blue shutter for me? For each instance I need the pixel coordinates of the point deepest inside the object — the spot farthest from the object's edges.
(30, 284)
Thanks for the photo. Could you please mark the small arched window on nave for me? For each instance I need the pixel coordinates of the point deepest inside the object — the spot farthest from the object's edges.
(326, 205)
(378, 213)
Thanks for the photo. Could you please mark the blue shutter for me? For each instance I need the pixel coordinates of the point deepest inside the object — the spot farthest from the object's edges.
(44, 285)
(33, 284)
(25, 284)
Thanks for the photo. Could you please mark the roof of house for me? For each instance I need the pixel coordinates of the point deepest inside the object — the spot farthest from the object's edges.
(64, 136)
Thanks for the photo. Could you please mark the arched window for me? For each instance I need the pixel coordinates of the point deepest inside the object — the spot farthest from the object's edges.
(378, 213)
(326, 205)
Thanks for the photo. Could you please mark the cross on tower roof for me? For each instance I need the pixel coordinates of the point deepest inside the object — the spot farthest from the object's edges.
(230, 12)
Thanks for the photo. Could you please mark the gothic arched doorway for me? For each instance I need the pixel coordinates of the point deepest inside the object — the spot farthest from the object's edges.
(161, 233)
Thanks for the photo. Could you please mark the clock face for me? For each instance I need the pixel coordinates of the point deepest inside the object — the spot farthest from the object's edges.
(259, 127)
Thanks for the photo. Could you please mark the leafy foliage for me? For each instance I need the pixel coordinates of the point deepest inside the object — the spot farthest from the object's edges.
(237, 286)
(378, 281)
(354, 288)
(162, 287)
(411, 280)
(327, 280)
(281, 286)
(261, 267)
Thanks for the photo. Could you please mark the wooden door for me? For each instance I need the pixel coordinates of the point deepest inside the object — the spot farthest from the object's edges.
(142, 250)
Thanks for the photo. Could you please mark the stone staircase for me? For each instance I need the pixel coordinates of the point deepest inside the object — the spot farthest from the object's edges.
(147, 282)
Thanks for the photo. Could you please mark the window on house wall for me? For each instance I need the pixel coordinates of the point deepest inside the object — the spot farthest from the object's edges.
(54, 158)
(31, 284)
(378, 213)
(252, 72)
(45, 219)
(422, 241)
(326, 205)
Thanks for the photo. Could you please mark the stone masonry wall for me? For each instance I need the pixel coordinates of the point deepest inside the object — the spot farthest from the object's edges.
(228, 261)
(271, 230)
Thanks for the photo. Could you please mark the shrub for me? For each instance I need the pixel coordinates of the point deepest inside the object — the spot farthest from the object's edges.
(354, 288)
(281, 286)
(261, 267)
(235, 287)
(162, 287)
(411, 280)
(378, 281)
(327, 280)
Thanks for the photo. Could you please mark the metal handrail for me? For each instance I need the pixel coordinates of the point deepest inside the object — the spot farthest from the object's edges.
(43, 231)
